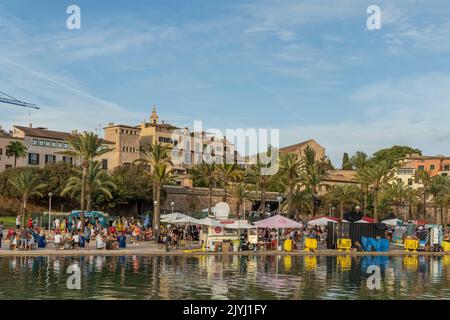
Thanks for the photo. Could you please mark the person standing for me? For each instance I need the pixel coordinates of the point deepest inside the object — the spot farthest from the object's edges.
(1, 233)
(18, 224)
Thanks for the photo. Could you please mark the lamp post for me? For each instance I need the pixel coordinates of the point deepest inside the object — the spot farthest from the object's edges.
(172, 204)
(155, 204)
(279, 199)
(50, 195)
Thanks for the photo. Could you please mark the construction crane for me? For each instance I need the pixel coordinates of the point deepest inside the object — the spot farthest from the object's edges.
(17, 102)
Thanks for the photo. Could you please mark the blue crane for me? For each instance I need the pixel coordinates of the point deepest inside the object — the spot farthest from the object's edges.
(4, 98)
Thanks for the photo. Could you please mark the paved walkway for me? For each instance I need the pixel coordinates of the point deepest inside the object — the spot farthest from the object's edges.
(151, 248)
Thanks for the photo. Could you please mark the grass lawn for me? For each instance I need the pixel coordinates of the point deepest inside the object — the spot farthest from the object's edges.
(8, 222)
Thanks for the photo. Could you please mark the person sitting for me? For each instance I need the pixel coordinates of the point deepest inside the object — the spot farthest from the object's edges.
(31, 243)
(13, 242)
(68, 242)
(100, 243)
(122, 240)
(58, 240)
(76, 241)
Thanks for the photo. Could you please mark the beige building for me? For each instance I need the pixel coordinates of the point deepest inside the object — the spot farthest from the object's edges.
(126, 141)
(45, 146)
(299, 149)
(5, 161)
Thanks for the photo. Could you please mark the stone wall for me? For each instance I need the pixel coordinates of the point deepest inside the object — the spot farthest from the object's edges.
(197, 199)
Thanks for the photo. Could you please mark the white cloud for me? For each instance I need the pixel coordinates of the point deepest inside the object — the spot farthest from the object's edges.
(410, 111)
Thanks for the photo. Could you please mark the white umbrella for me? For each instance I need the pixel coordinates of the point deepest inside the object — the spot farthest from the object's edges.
(391, 222)
(173, 216)
(209, 222)
(239, 225)
(185, 220)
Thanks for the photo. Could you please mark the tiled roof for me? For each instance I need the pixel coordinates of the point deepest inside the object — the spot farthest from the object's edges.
(294, 147)
(49, 134)
(341, 176)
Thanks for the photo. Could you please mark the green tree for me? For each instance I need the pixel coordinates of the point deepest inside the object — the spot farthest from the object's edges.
(17, 150)
(28, 184)
(439, 189)
(206, 172)
(376, 176)
(343, 195)
(97, 181)
(291, 166)
(424, 177)
(225, 173)
(301, 200)
(240, 192)
(396, 193)
(346, 163)
(160, 175)
(359, 160)
(85, 148)
(394, 153)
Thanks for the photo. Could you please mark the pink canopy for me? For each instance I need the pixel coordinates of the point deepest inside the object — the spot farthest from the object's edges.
(278, 222)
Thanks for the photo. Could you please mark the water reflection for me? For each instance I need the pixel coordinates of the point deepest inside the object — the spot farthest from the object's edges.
(226, 277)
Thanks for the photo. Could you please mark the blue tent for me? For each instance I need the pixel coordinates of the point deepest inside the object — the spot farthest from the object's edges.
(92, 215)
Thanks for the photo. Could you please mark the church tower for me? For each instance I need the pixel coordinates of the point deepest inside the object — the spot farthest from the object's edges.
(154, 117)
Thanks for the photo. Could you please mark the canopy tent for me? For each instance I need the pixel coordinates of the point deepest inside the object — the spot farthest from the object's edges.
(212, 210)
(209, 222)
(278, 222)
(392, 222)
(366, 220)
(178, 219)
(323, 221)
(239, 225)
(173, 216)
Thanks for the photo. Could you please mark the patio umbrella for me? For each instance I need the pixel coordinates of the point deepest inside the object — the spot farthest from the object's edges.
(173, 216)
(209, 222)
(239, 225)
(278, 222)
(323, 221)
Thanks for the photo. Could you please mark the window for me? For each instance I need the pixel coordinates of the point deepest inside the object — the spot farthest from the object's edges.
(432, 167)
(47, 143)
(60, 145)
(105, 164)
(41, 143)
(33, 159)
(68, 160)
(66, 146)
(1, 151)
(421, 168)
(49, 159)
(446, 167)
(410, 182)
(8, 166)
(53, 144)
(35, 142)
(445, 174)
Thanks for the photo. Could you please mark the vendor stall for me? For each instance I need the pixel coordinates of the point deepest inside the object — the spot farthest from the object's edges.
(278, 222)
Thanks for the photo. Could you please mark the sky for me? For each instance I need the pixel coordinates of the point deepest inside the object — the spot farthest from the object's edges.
(311, 69)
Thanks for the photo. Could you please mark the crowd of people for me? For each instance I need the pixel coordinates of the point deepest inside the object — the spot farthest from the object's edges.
(297, 236)
(68, 234)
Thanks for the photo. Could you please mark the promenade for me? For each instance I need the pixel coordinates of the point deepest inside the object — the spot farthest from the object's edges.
(148, 248)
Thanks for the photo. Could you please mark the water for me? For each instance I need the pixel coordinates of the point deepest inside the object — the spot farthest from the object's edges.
(225, 277)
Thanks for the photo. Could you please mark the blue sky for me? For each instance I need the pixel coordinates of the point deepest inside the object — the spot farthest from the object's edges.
(309, 68)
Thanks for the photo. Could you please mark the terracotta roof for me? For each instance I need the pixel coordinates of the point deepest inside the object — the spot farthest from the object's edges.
(49, 134)
(296, 146)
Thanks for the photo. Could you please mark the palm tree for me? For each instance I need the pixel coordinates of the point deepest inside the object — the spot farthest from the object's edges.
(28, 184)
(425, 178)
(439, 188)
(97, 180)
(359, 160)
(85, 148)
(153, 155)
(301, 201)
(207, 172)
(225, 173)
(344, 194)
(261, 181)
(376, 176)
(240, 192)
(17, 150)
(291, 166)
(160, 175)
(396, 193)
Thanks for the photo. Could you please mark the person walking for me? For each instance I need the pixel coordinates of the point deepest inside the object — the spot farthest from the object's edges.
(18, 224)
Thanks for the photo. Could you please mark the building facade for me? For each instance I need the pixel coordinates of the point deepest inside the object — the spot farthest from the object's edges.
(8, 162)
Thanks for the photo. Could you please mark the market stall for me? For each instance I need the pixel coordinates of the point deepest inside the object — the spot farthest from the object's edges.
(277, 222)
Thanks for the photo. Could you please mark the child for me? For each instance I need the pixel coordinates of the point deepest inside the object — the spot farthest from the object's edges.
(58, 240)
(76, 241)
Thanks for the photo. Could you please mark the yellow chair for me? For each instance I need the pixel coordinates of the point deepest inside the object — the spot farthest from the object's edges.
(344, 244)
(288, 245)
(310, 245)
(411, 245)
(446, 246)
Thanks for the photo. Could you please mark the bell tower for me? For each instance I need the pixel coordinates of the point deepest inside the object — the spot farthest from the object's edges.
(154, 117)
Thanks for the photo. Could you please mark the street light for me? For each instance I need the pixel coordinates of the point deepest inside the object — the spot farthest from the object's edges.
(50, 195)
(172, 204)
(279, 199)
